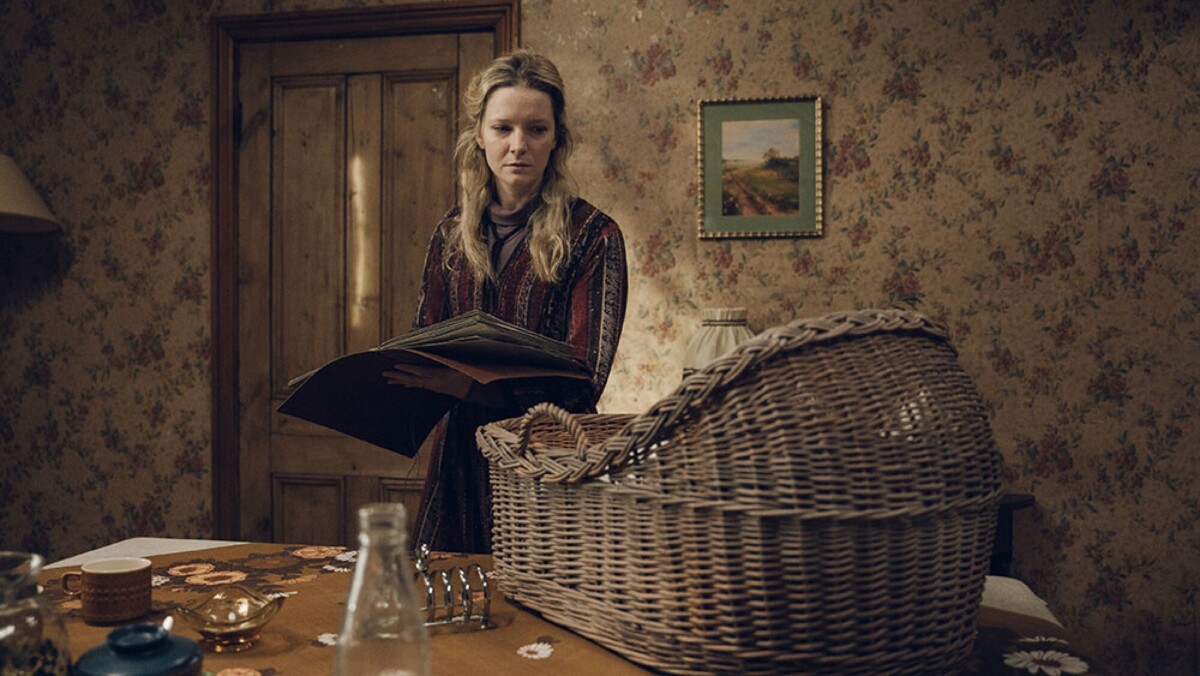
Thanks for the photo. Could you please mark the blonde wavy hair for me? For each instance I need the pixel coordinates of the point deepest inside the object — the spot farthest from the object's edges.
(549, 245)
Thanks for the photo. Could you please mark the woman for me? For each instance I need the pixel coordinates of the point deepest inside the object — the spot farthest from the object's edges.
(522, 247)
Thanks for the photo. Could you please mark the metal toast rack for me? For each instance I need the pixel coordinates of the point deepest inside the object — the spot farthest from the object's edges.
(450, 594)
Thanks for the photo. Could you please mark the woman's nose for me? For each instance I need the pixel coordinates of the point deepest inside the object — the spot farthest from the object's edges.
(517, 142)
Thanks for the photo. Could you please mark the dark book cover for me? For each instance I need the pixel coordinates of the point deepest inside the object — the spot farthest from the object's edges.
(350, 395)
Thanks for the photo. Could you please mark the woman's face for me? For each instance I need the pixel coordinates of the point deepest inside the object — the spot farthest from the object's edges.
(517, 135)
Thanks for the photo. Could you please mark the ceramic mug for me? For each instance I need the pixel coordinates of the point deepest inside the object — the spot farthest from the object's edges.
(111, 590)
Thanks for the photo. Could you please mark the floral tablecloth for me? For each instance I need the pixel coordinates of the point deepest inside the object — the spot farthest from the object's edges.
(315, 581)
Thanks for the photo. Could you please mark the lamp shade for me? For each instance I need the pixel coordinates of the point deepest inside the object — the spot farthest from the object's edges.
(21, 208)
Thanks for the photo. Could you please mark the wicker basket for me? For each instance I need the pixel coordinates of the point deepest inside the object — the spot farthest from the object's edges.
(821, 500)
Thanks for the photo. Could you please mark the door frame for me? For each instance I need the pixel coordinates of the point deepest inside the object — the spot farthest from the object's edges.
(500, 17)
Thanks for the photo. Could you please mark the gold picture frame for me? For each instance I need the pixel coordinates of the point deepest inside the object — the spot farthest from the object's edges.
(760, 167)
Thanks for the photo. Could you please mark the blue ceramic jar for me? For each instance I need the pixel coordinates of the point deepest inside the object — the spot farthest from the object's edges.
(141, 650)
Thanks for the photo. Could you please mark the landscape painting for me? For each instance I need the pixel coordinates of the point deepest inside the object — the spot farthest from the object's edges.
(760, 168)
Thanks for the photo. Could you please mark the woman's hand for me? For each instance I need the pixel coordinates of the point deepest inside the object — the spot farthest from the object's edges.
(433, 377)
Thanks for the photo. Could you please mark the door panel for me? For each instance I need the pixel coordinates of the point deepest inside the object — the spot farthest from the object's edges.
(405, 491)
(344, 169)
(307, 232)
(419, 138)
(303, 504)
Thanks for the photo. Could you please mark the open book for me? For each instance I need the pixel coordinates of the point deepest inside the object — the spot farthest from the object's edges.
(350, 395)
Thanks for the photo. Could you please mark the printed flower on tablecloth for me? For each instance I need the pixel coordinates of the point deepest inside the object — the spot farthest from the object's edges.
(536, 651)
(188, 569)
(540, 649)
(317, 552)
(242, 671)
(1050, 662)
(159, 580)
(217, 577)
(326, 640)
(270, 562)
(348, 557)
(329, 568)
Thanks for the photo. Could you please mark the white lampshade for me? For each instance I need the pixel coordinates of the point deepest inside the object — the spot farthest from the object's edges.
(21, 208)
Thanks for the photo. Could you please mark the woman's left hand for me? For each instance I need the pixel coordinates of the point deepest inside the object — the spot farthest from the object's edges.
(433, 377)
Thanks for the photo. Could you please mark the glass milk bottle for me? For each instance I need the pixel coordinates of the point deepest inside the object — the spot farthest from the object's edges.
(32, 637)
(383, 633)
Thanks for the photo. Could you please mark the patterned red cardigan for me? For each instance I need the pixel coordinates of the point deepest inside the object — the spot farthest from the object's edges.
(586, 309)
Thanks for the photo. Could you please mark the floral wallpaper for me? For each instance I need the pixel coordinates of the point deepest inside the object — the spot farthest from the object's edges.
(1024, 171)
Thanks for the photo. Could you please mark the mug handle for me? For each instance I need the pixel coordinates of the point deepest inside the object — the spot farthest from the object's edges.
(65, 583)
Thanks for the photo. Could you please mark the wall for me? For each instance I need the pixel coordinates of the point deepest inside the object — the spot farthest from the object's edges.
(1024, 171)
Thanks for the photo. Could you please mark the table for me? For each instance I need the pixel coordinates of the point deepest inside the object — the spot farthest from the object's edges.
(1013, 623)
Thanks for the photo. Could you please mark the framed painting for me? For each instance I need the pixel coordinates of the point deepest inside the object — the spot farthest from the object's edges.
(760, 167)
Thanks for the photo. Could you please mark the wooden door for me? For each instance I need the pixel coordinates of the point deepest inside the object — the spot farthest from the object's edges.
(344, 166)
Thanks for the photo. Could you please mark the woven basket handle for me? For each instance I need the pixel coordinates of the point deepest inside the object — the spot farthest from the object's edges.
(562, 417)
(628, 446)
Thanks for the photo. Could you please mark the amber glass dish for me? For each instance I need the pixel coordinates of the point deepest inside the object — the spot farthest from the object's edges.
(231, 619)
